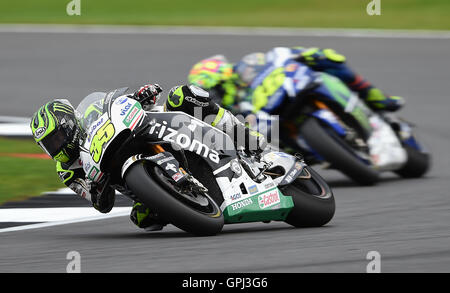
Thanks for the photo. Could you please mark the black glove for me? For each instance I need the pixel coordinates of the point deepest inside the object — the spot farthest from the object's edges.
(102, 195)
(148, 94)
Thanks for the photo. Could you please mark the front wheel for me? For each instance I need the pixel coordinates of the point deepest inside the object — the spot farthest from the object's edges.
(194, 212)
(417, 165)
(336, 151)
(314, 204)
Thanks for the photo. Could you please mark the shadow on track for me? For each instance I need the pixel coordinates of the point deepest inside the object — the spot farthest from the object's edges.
(348, 183)
(170, 234)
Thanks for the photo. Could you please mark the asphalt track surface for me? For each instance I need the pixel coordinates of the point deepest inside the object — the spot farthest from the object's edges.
(406, 221)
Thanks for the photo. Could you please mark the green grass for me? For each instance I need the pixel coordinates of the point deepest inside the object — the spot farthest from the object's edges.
(396, 14)
(21, 178)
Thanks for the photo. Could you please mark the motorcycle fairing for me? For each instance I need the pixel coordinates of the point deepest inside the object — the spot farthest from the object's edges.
(165, 160)
(329, 118)
(334, 90)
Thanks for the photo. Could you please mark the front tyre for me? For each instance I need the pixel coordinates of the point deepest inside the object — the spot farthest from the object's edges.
(417, 165)
(314, 204)
(195, 212)
(335, 151)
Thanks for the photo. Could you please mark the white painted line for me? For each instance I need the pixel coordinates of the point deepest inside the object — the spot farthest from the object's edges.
(66, 191)
(15, 129)
(230, 31)
(116, 212)
(62, 191)
(14, 119)
(52, 214)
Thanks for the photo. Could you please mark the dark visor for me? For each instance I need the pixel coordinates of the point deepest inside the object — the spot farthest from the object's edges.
(54, 142)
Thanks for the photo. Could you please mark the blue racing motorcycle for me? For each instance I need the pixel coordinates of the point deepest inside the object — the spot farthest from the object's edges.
(320, 117)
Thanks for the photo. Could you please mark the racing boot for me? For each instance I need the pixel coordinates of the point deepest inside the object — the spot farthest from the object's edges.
(331, 62)
(144, 218)
(378, 101)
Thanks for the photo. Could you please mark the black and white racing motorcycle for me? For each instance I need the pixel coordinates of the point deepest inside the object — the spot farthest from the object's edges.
(190, 173)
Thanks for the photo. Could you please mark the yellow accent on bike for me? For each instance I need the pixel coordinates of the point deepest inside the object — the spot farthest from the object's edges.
(267, 88)
(101, 137)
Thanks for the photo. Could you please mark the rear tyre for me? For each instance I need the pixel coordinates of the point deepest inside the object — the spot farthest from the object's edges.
(335, 151)
(195, 213)
(417, 165)
(314, 204)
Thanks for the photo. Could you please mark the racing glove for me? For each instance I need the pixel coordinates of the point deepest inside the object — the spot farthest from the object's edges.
(148, 95)
(102, 195)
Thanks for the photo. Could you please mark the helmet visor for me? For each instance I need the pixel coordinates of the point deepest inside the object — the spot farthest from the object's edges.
(54, 142)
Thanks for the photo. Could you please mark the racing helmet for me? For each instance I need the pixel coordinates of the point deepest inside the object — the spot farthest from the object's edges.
(211, 72)
(249, 67)
(55, 129)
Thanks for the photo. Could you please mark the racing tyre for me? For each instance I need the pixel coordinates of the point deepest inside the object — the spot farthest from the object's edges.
(337, 152)
(193, 212)
(314, 204)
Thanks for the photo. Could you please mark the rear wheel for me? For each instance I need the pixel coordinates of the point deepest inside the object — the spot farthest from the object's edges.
(314, 204)
(192, 211)
(336, 151)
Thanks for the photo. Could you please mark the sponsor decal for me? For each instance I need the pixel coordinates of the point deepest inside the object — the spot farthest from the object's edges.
(185, 142)
(177, 176)
(125, 109)
(100, 121)
(121, 100)
(253, 189)
(196, 102)
(87, 167)
(269, 185)
(162, 161)
(93, 173)
(235, 196)
(39, 132)
(241, 204)
(129, 118)
(268, 199)
(157, 156)
(288, 178)
(293, 173)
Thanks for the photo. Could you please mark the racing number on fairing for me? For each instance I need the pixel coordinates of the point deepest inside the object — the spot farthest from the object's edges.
(268, 87)
(102, 136)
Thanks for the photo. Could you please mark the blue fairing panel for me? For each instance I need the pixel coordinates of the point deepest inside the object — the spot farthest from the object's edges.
(329, 118)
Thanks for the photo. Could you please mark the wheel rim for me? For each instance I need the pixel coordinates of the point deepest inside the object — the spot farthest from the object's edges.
(311, 185)
(196, 200)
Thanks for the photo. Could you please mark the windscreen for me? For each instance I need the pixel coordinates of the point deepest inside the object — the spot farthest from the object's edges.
(90, 109)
